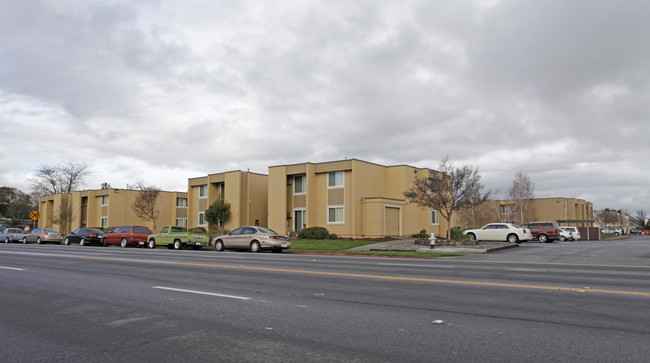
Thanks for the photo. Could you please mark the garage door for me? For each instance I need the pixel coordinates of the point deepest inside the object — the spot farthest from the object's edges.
(392, 221)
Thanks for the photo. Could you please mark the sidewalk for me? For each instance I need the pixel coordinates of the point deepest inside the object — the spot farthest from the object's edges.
(409, 245)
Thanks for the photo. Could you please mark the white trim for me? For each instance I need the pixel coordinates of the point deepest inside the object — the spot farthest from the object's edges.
(304, 218)
(103, 200)
(304, 184)
(103, 222)
(335, 186)
(205, 222)
(431, 219)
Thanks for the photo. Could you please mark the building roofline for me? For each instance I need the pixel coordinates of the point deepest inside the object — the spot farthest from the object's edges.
(226, 172)
(351, 159)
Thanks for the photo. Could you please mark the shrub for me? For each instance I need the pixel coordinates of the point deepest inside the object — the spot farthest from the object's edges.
(457, 234)
(421, 235)
(197, 230)
(314, 233)
(333, 236)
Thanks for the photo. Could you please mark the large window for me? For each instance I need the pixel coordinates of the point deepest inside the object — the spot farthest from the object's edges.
(434, 217)
(335, 179)
(181, 222)
(104, 200)
(181, 202)
(507, 208)
(103, 222)
(335, 215)
(299, 184)
(203, 191)
(202, 221)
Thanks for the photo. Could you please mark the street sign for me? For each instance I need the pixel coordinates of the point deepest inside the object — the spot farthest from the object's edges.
(34, 215)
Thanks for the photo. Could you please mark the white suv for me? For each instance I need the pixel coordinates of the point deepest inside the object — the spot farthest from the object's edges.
(575, 234)
(612, 230)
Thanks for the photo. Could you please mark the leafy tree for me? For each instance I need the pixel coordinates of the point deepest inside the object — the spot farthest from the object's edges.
(218, 213)
(15, 205)
(448, 190)
(146, 203)
(61, 178)
(522, 191)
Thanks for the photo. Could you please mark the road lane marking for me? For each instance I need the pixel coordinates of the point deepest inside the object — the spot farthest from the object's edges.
(342, 274)
(412, 265)
(12, 268)
(202, 293)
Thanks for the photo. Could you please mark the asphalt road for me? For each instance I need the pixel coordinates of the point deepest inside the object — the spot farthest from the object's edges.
(97, 304)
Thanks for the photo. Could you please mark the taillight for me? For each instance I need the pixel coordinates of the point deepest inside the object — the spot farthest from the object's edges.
(45, 234)
(273, 237)
(92, 236)
(524, 230)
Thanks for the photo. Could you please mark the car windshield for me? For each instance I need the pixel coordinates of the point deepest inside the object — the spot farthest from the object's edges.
(50, 230)
(14, 230)
(266, 230)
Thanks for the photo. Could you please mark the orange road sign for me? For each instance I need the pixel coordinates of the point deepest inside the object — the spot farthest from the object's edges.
(34, 215)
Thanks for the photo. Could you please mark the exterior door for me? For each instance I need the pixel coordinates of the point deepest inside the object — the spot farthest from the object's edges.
(392, 221)
(299, 219)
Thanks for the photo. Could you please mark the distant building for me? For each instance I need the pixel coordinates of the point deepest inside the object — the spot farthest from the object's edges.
(563, 211)
(106, 207)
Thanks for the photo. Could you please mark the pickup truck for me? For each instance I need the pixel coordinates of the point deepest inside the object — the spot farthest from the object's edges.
(176, 237)
(11, 235)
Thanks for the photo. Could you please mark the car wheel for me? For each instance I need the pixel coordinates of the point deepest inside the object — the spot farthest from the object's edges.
(513, 238)
(24, 240)
(82, 242)
(543, 238)
(67, 242)
(472, 236)
(562, 238)
(255, 247)
(38, 240)
(152, 243)
(177, 245)
(219, 246)
(7, 240)
(123, 243)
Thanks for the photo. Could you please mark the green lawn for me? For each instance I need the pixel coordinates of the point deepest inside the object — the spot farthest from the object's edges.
(341, 246)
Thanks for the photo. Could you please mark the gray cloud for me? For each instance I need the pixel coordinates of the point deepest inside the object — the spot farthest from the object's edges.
(169, 90)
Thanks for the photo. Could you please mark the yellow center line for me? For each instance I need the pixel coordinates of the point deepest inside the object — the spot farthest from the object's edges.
(342, 274)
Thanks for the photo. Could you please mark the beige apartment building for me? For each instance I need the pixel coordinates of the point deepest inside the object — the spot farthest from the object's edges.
(107, 207)
(563, 211)
(245, 191)
(351, 198)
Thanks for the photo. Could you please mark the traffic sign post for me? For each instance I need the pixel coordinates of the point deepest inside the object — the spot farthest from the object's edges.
(34, 215)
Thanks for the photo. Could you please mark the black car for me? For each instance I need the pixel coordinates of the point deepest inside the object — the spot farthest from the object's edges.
(84, 236)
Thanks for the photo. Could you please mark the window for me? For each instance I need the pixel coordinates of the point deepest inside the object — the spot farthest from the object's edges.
(299, 184)
(335, 179)
(103, 222)
(335, 215)
(507, 208)
(434, 217)
(299, 220)
(181, 202)
(203, 191)
(104, 200)
(181, 222)
(202, 221)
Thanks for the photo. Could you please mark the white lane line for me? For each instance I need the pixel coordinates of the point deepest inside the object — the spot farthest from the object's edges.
(411, 265)
(12, 268)
(202, 293)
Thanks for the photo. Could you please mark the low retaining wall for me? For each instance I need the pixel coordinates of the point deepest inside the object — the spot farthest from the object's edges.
(444, 242)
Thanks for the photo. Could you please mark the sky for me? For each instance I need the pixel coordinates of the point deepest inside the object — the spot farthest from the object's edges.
(160, 91)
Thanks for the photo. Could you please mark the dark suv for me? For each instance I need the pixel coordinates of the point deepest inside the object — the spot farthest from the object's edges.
(544, 232)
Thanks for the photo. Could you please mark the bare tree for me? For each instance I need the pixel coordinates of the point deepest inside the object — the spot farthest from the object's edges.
(639, 219)
(61, 178)
(447, 191)
(522, 191)
(146, 203)
(607, 217)
(64, 216)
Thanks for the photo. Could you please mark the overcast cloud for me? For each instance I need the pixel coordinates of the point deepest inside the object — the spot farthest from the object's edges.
(161, 91)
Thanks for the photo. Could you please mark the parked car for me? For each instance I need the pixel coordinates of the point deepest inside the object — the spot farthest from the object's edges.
(176, 237)
(11, 235)
(499, 232)
(575, 234)
(544, 232)
(612, 230)
(43, 235)
(252, 238)
(636, 231)
(84, 236)
(565, 235)
(127, 236)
